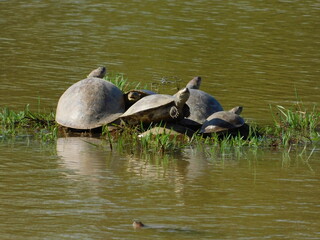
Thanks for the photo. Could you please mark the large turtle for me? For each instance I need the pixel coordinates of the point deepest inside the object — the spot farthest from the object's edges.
(157, 108)
(201, 104)
(90, 103)
(223, 121)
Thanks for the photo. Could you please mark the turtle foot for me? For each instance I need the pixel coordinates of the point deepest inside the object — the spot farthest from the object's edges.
(174, 112)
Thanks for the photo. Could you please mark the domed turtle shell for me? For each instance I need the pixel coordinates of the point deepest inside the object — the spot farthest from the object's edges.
(157, 108)
(201, 104)
(90, 103)
(223, 121)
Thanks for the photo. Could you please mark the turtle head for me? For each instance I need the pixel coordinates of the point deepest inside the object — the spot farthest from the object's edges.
(237, 110)
(194, 83)
(134, 96)
(182, 96)
(137, 224)
(100, 72)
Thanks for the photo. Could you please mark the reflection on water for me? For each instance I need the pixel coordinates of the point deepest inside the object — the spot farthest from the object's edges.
(79, 188)
(81, 154)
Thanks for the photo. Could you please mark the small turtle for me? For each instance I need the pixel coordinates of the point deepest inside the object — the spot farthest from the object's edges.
(100, 72)
(137, 224)
(133, 96)
(201, 104)
(223, 121)
(157, 108)
(90, 103)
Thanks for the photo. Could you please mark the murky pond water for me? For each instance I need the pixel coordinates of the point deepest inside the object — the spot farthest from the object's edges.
(79, 188)
(252, 53)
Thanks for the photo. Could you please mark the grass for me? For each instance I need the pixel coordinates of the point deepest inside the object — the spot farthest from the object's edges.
(25, 122)
(123, 84)
(291, 127)
(295, 126)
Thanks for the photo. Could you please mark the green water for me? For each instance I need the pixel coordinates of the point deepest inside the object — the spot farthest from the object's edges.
(249, 53)
(76, 189)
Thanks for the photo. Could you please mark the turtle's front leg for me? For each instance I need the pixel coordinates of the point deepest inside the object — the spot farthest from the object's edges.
(174, 112)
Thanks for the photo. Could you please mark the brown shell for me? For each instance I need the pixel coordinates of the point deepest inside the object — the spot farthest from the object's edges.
(157, 108)
(201, 105)
(222, 121)
(90, 103)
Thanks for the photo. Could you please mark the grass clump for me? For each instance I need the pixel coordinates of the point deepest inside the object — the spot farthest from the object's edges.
(40, 125)
(295, 125)
(130, 140)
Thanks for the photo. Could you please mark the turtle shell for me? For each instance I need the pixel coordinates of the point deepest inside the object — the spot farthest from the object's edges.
(201, 105)
(222, 121)
(157, 108)
(152, 108)
(90, 103)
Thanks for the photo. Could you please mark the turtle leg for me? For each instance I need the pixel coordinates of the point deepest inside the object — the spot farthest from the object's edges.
(174, 112)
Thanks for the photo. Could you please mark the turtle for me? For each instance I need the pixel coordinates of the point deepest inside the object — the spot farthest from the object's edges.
(158, 108)
(223, 121)
(100, 72)
(138, 225)
(90, 103)
(134, 95)
(201, 105)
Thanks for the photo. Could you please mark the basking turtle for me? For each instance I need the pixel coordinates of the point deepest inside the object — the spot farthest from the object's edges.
(223, 121)
(133, 96)
(157, 108)
(90, 103)
(201, 104)
(100, 72)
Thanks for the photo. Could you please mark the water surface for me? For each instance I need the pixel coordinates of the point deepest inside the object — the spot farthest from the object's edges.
(253, 53)
(74, 189)
(250, 53)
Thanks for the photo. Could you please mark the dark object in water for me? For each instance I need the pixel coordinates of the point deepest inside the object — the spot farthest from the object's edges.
(137, 224)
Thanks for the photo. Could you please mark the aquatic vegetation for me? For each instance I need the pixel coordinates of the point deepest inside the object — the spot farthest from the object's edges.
(295, 125)
(36, 124)
(292, 127)
(129, 140)
(122, 82)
